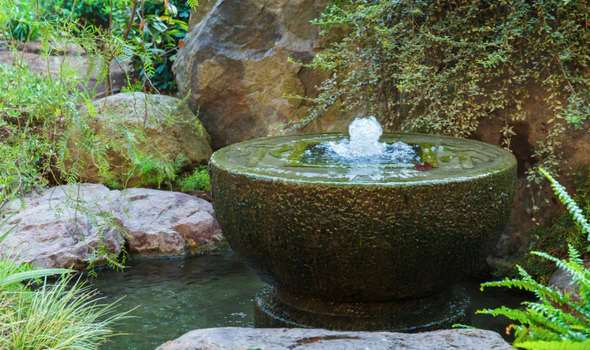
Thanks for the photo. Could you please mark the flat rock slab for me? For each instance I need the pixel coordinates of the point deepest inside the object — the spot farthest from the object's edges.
(72, 225)
(319, 339)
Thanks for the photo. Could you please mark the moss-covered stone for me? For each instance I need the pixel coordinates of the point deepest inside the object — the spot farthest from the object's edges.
(142, 137)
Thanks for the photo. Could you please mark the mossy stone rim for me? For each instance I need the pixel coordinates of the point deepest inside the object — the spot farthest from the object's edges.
(234, 158)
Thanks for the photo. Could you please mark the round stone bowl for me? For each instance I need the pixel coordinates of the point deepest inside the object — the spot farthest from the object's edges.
(330, 236)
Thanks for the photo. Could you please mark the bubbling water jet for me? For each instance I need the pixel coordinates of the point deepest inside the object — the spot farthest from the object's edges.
(364, 145)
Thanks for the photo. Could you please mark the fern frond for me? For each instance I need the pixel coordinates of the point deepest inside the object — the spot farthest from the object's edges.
(193, 4)
(574, 268)
(553, 345)
(572, 207)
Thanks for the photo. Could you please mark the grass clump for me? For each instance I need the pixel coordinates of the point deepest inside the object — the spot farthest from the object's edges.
(63, 315)
(36, 314)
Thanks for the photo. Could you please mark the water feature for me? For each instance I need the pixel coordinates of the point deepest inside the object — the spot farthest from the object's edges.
(172, 297)
(360, 231)
(363, 146)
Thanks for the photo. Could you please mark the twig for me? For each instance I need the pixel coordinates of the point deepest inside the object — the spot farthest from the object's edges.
(131, 19)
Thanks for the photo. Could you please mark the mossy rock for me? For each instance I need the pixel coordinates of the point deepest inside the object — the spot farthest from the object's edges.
(139, 140)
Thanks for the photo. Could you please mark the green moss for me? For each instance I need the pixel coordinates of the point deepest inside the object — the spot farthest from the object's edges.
(299, 149)
(428, 155)
(280, 151)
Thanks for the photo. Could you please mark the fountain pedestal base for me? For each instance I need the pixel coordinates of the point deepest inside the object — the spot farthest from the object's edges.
(278, 309)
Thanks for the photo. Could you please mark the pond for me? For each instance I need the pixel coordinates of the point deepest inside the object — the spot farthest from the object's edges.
(173, 297)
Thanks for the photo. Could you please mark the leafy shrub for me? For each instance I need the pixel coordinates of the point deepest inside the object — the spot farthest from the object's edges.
(443, 67)
(198, 181)
(97, 13)
(23, 25)
(35, 109)
(557, 319)
(150, 32)
(39, 118)
(158, 36)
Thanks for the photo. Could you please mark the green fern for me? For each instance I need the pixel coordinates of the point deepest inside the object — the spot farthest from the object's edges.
(555, 345)
(572, 207)
(556, 319)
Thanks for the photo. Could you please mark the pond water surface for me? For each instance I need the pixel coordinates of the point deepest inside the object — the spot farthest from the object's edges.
(173, 297)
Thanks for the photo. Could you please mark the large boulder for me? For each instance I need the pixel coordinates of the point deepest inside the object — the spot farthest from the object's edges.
(168, 223)
(317, 339)
(66, 226)
(236, 66)
(73, 225)
(162, 127)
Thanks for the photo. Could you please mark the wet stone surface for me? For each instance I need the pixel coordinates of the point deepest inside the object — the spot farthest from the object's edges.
(313, 232)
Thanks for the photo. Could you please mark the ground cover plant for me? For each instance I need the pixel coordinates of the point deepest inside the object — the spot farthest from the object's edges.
(444, 67)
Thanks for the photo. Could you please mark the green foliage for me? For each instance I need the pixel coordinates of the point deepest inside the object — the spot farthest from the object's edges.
(23, 24)
(556, 317)
(148, 33)
(157, 37)
(98, 13)
(555, 345)
(198, 181)
(443, 67)
(33, 111)
(572, 207)
(65, 315)
(555, 236)
(40, 120)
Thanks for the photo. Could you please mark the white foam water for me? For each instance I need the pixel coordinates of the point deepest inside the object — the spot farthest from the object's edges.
(363, 145)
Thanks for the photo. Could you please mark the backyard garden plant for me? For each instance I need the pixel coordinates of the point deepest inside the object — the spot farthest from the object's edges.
(50, 309)
(445, 67)
(557, 319)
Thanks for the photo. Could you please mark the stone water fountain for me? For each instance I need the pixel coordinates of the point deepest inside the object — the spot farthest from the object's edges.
(365, 231)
